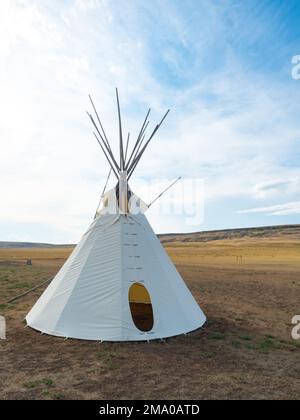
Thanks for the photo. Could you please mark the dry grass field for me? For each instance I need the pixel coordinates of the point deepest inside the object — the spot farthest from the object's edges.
(247, 284)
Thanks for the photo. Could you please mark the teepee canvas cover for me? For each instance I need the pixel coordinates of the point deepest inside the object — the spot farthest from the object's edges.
(119, 283)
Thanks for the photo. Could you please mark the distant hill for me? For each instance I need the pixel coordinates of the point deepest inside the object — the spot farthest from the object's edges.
(4, 244)
(284, 231)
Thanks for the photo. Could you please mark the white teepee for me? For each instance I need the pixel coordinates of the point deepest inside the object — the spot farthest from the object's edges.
(119, 283)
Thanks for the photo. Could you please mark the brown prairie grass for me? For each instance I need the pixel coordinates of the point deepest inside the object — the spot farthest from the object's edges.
(244, 351)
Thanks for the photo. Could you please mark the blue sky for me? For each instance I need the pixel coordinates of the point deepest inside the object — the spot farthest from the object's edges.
(223, 67)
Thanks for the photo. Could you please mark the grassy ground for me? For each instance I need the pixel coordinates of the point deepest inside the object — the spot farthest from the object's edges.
(249, 289)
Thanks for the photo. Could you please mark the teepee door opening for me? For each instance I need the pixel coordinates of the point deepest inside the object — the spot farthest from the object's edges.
(141, 307)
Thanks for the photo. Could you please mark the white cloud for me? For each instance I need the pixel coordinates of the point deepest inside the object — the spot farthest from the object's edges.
(277, 210)
(276, 187)
(228, 126)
